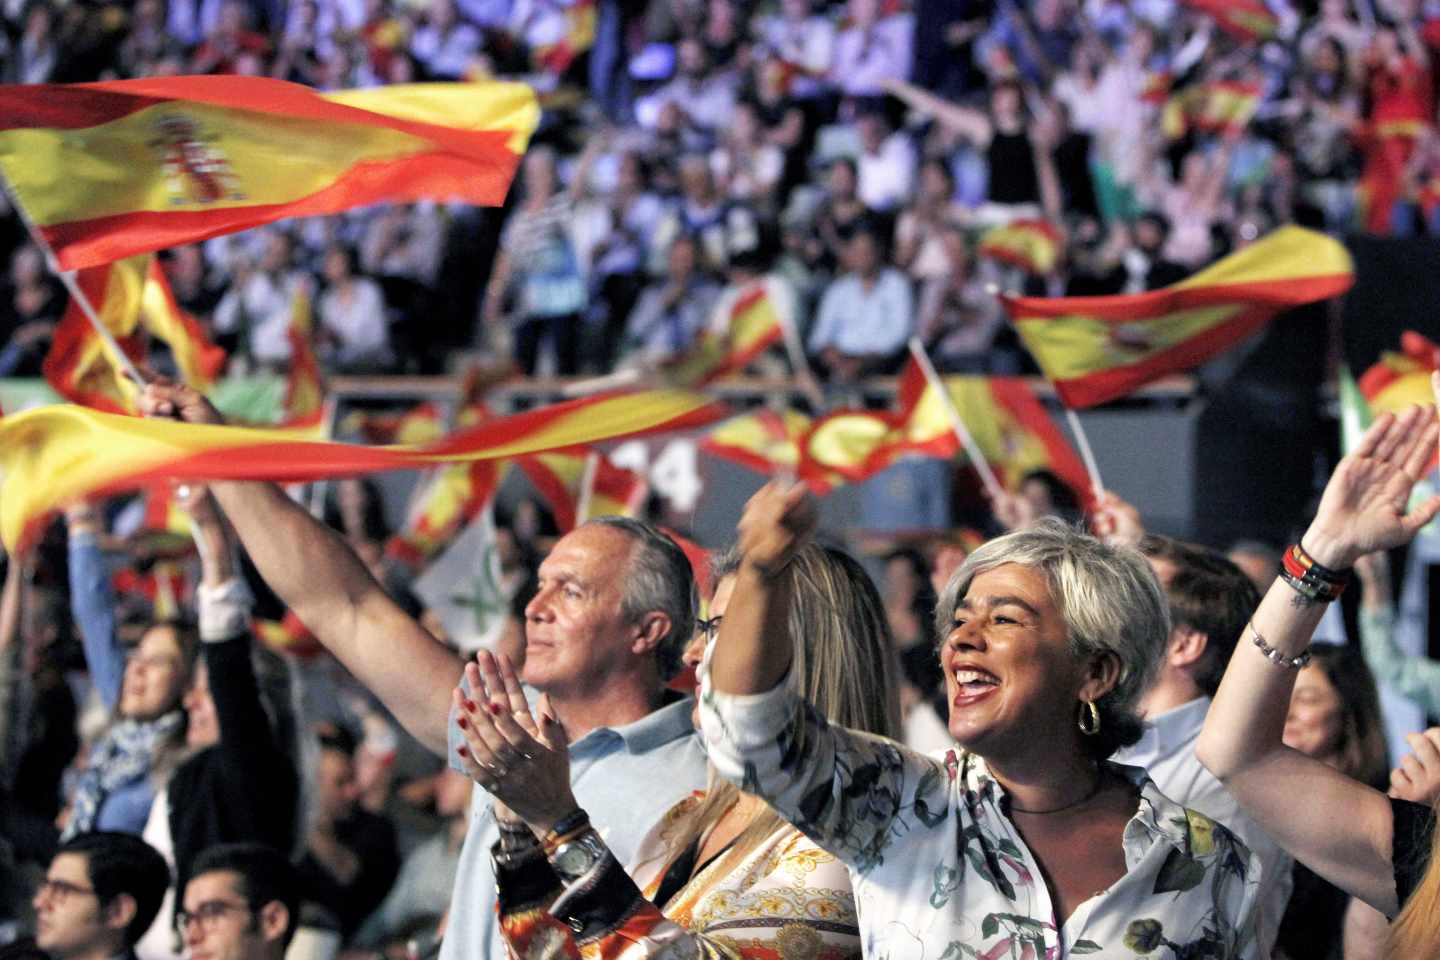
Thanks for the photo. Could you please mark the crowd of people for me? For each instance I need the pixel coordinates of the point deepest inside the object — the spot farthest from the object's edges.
(851, 156)
(1064, 740)
(1033, 742)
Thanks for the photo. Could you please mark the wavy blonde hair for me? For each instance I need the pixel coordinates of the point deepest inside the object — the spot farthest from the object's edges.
(843, 664)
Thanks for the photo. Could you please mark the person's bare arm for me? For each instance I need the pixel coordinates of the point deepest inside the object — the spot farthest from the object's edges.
(752, 653)
(971, 124)
(1341, 829)
(319, 577)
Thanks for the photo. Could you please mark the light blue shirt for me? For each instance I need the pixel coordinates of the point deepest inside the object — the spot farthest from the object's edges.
(860, 322)
(625, 778)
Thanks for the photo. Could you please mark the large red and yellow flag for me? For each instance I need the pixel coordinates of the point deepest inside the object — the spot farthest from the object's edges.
(1398, 380)
(130, 296)
(107, 170)
(51, 456)
(754, 326)
(582, 483)
(1095, 349)
(1032, 245)
(1002, 414)
(1249, 20)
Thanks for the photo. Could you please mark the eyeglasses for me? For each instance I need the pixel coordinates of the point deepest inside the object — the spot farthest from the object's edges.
(208, 914)
(709, 627)
(61, 890)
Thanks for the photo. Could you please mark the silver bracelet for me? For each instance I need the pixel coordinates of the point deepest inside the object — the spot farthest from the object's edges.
(1275, 656)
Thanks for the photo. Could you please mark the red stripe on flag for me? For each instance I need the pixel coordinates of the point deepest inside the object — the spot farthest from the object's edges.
(481, 180)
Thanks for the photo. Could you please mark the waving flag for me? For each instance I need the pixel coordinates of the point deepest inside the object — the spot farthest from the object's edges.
(581, 484)
(1032, 245)
(1249, 20)
(304, 402)
(1011, 428)
(1222, 107)
(1401, 379)
(130, 296)
(107, 170)
(51, 456)
(753, 328)
(421, 423)
(580, 19)
(1095, 349)
(766, 441)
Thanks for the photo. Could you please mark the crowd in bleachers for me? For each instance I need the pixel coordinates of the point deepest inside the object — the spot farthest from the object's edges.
(851, 153)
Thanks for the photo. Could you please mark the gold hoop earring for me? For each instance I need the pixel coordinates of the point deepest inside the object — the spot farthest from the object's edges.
(1089, 712)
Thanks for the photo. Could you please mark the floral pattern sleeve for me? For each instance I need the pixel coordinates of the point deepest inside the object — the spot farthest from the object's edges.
(939, 870)
(850, 792)
(784, 899)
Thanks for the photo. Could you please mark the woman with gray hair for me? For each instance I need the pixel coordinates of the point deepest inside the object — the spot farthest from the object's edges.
(1025, 841)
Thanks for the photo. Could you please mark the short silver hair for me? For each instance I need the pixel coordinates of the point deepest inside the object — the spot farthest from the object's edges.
(658, 578)
(1110, 601)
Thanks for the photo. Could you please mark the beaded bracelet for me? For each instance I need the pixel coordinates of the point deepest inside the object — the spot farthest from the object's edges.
(1275, 656)
(1314, 582)
(565, 831)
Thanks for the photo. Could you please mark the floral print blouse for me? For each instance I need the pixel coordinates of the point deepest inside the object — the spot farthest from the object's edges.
(785, 900)
(941, 873)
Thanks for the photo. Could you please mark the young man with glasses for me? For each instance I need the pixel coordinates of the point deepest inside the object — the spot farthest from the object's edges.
(242, 903)
(98, 896)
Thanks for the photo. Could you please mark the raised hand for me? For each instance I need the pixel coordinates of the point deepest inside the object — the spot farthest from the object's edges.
(1363, 507)
(521, 762)
(1417, 778)
(1116, 521)
(162, 398)
(779, 519)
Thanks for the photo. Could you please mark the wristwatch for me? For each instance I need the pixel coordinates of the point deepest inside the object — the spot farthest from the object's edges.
(575, 858)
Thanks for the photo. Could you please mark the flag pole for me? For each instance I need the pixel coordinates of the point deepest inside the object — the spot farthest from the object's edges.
(982, 466)
(1086, 454)
(587, 486)
(67, 277)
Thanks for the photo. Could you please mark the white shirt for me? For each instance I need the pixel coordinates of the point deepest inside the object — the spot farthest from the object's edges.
(1167, 754)
(865, 59)
(887, 176)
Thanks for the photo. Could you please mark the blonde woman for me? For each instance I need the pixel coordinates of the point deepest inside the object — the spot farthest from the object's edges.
(723, 875)
(1374, 848)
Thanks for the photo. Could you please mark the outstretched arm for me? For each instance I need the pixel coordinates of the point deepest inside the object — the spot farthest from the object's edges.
(971, 124)
(1341, 829)
(319, 577)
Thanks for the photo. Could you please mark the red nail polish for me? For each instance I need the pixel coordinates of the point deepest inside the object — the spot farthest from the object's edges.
(463, 751)
(469, 705)
(494, 708)
(464, 724)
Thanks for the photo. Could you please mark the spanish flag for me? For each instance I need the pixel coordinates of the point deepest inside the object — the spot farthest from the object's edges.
(421, 423)
(1222, 107)
(287, 635)
(51, 456)
(453, 496)
(1249, 20)
(754, 326)
(581, 484)
(1398, 380)
(1032, 245)
(304, 402)
(1002, 414)
(107, 170)
(580, 20)
(1095, 349)
(129, 295)
(766, 441)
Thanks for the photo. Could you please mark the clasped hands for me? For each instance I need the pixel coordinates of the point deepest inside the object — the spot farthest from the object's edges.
(521, 761)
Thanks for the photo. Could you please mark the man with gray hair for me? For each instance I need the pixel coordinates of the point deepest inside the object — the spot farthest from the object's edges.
(614, 611)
